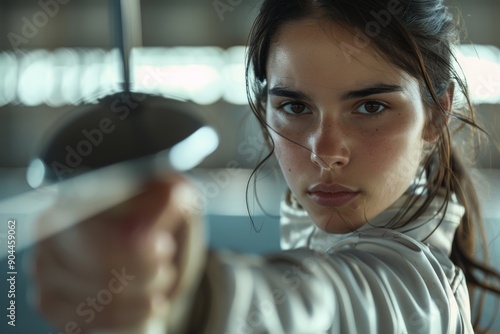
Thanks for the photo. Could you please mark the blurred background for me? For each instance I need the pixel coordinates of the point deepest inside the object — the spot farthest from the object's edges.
(58, 54)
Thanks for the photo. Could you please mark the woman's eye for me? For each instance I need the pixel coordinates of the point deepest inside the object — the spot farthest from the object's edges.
(294, 108)
(371, 107)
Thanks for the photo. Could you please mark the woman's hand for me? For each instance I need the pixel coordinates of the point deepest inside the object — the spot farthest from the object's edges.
(125, 266)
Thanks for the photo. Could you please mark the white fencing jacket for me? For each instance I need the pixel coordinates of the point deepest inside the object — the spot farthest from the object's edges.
(374, 280)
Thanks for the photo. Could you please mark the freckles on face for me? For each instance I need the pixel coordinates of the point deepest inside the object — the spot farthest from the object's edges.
(348, 131)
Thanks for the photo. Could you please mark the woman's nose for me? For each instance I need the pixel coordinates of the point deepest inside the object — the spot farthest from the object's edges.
(329, 149)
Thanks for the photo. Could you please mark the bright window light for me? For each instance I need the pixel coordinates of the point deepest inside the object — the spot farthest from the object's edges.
(8, 77)
(192, 150)
(234, 74)
(187, 73)
(203, 75)
(481, 68)
(35, 70)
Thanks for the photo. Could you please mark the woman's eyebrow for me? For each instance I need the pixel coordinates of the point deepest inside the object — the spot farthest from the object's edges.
(282, 91)
(378, 88)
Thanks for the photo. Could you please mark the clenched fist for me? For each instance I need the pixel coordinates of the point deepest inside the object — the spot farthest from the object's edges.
(124, 267)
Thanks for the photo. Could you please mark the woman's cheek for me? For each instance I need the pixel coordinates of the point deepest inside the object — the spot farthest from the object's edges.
(398, 163)
(291, 159)
(285, 154)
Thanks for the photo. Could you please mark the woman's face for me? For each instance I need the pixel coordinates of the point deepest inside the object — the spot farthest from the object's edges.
(348, 128)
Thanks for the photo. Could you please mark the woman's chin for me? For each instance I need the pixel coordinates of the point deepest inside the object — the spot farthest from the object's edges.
(337, 220)
(336, 223)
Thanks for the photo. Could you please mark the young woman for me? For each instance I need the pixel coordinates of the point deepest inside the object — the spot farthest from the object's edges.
(356, 100)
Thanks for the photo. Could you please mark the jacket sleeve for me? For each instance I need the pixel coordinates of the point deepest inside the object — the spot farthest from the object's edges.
(374, 283)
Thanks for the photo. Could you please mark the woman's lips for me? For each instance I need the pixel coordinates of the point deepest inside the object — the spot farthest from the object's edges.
(331, 195)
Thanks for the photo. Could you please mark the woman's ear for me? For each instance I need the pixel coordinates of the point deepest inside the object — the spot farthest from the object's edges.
(446, 101)
(440, 118)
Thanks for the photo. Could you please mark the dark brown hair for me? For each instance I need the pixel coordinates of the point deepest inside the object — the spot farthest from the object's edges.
(417, 36)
